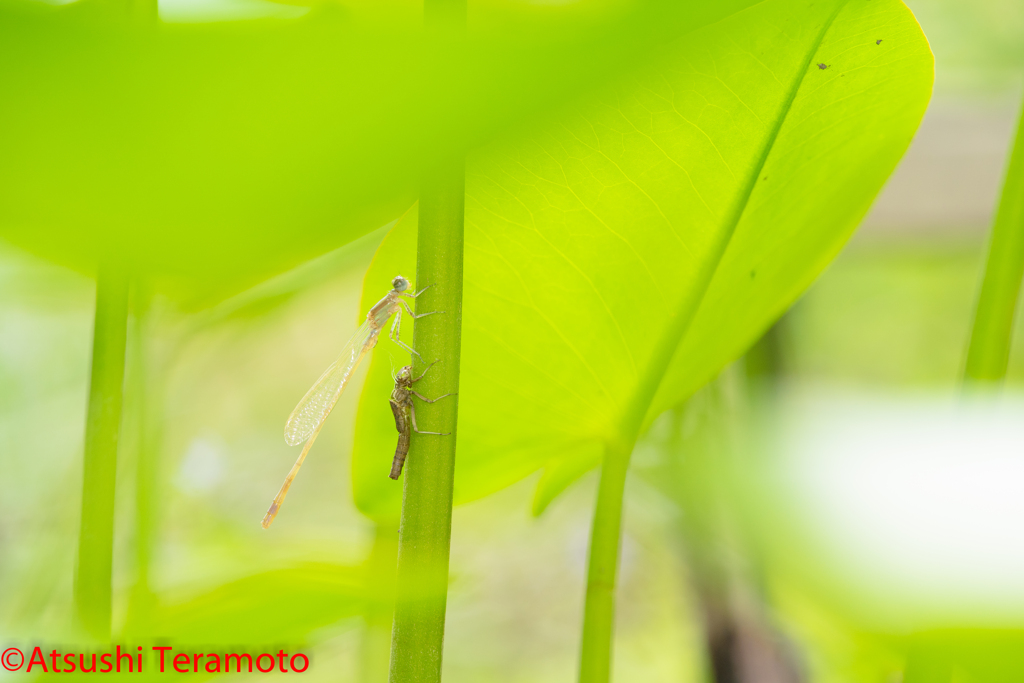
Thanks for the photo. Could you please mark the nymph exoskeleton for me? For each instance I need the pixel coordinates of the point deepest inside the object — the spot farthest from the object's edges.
(405, 413)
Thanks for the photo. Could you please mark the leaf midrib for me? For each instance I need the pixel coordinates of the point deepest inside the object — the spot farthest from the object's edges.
(685, 312)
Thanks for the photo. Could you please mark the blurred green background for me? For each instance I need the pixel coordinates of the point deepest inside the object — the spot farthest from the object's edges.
(881, 334)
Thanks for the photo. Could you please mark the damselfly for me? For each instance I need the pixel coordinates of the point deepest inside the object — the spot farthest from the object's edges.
(405, 413)
(308, 417)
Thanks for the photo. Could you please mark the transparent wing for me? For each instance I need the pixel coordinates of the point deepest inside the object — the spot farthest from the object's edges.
(318, 402)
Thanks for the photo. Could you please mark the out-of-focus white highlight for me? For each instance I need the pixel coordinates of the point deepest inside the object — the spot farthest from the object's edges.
(917, 503)
(199, 11)
(204, 466)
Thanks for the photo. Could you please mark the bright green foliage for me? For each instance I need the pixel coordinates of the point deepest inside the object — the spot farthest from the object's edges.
(208, 158)
(281, 606)
(842, 138)
(620, 254)
(259, 613)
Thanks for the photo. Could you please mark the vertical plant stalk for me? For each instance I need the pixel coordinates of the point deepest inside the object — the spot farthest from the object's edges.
(989, 350)
(417, 638)
(103, 421)
(425, 529)
(144, 393)
(605, 535)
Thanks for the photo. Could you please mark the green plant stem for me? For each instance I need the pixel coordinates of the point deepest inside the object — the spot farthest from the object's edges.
(605, 535)
(989, 350)
(144, 393)
(96, 536)
(425, 531)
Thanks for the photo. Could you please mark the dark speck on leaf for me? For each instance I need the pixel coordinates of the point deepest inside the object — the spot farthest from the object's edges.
(878, 42)
(765, 178)
(751, 273)
(823, 66)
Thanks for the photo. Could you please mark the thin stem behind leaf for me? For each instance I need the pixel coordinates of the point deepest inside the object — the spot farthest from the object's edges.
(989, 350)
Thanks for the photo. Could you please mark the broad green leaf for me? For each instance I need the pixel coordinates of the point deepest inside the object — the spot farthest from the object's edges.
(209, 158)
(262, 612)
(282, 606)
(842, 138)
(619, 255)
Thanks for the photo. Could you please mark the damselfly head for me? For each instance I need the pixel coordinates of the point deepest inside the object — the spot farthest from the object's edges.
(404, 374)
(400, 284)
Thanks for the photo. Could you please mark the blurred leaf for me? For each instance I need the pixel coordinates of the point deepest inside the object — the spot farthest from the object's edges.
(588, 240)
(269, 610)
(559, 474)
(280, 289)
(211, 157)
(281, 606)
